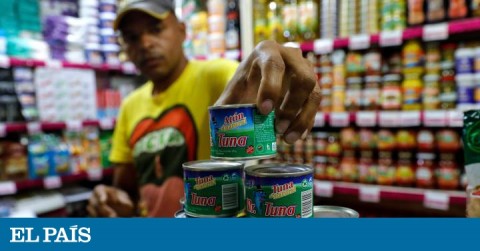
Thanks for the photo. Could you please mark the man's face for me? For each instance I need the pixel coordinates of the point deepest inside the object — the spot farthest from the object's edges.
(154, 46)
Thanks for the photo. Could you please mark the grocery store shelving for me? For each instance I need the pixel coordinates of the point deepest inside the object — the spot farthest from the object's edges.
(51, 182)
(6, 62)
(454, 28)
(435, 118)
(20, 127)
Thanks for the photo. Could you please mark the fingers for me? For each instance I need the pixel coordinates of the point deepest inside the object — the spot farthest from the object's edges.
(98, 204)
(303, 122)
(272, 70)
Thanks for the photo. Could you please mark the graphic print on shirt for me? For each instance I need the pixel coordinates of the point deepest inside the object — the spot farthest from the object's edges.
(172, 136)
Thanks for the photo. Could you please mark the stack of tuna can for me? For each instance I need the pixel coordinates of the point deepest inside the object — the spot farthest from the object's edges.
(223, 187)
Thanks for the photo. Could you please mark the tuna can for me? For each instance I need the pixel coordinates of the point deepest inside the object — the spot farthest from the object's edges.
(239, 132)
(180, 214)
(279, 190)
(213, 188)
(334, 212)
(182, 202)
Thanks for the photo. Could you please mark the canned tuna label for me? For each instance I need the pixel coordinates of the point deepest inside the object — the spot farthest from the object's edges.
(241, 132)
(276, 196)
(213, 189)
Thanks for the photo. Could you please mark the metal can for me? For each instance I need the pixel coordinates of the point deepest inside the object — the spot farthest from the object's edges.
(279, 190)
(241, 132)
(180, 214)
(182, 202)
(213, 188)
(334, 212)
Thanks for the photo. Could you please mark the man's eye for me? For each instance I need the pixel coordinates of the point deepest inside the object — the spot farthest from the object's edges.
(130, 38)
(155, 29)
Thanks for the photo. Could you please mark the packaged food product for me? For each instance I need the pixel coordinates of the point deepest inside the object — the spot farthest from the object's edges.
(15, 166)
(448, 88)
(465, 89)
(431, 92)
(353, 94)
(412, 92)
(367, 139)
(348, 167)
(386, 169)
(457, 9)
(308, 19)
(333, 146)
(475, 8)
(290, 23)
(373, 62)
(320, 140)
(406, 139)
(367, 168)
(432, 58)
(413, 54)
(386, 140)
(333, 169)
(415, 12)
(391, 96)
(425, 173)
(319, 167)
(338, 99)
(405, 172)
(308, 149)
(448, 140)
(447, 173)
(473, 201)
(425, 140)
(465, 60)
(349, 139)
(355, 63)
(471, 142)
(436, 11)
(371, 93)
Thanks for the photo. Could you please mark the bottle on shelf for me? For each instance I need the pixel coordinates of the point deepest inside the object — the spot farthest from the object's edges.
(275, 26)
(308, 19)
(290, 22)
(232, 33)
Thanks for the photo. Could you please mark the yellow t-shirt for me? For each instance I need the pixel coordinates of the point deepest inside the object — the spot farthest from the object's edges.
(171, 127)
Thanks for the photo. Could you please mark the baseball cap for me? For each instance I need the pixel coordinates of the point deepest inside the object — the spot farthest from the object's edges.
(156, 8)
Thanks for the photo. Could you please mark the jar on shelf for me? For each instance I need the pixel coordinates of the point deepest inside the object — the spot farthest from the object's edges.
(436, 11)
(416, 15)
(405, 172)
(413, 54)
(391, 96)
(348, 167)
(406, 139)
(333, 145)
(457, 9)
(386, 169)
(371, 93)
(425, 173)
(326, 102)
(425, 140)
(432, 58)
(386, 140)
(448, 140)
(338, 99)
(320, 140)
(349, 139)
(353, 94)
(465, 89)
(475, 8)
(448, 89)
(367, 168)
(431, 92)
(319, 167)
(465, 60)
(447, 173)
(308, 149)
(367, 139)
(373, 62)
(333, 169)
(412, 92)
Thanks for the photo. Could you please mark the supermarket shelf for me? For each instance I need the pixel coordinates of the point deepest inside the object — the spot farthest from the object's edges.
(436, 118)
(433, 199)
(13, 187)
(454, 28)
(6, 62)
(19, 127)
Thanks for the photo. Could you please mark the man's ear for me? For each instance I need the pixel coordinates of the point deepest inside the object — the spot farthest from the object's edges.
(183, 29)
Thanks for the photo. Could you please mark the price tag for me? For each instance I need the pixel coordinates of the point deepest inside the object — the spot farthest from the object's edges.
(366, 119)
(3, 130)
(319, 120)
(232, 54)
(8, 187)
(359, 42)
(4, 61)
(95, 174)
(435, 118)
(106, 123)
(74, 125)
(436, 200)
(391, 38)
(370, 194)
(34, 127)
(389, 119)
(292, 44)
(435, 32)
(409, 119)
(339, 119)
(52, 182)
(324, 188)
(322, 46)
(455, 118)
(55, 64)
(128, 68)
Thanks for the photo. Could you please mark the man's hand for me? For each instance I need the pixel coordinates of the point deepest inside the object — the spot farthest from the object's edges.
(108, 201)
(277, 77)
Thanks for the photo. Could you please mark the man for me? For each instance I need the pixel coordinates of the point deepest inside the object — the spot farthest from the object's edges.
(165, 122)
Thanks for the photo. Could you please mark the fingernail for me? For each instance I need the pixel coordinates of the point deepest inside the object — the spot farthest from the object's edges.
(282, 126)
(267, 106)
(292, 137)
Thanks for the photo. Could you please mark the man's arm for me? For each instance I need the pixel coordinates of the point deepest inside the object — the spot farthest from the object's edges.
(125, 178)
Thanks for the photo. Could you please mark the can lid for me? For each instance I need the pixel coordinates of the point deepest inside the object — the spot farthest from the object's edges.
(334, 212)
(180, 214)
(278, 170)
(230, 106)
(212, 165)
